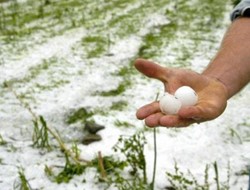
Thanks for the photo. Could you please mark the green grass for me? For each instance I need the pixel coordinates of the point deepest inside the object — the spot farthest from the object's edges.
(49, 69)
(106, 25)
(184, 181)
(122, 87)
(23, 181)
(35, 71)
(185, 23)
(79, 115)
(124, 124)
(24, 25)
(56, 17)
(119, 105)
(95, 46)
(2, 141)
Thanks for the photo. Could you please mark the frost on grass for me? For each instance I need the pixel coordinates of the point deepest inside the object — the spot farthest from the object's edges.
(72, 62)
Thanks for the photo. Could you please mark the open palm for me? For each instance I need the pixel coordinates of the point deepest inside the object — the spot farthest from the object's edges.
(212, 96)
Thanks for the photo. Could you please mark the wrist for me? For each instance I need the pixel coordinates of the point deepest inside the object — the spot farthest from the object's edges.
(219, 83)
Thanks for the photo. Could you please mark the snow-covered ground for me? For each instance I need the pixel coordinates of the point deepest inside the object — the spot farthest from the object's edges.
(53, 70)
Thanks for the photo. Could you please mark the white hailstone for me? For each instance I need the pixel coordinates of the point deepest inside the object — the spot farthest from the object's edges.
(169, 104)
(186, 95)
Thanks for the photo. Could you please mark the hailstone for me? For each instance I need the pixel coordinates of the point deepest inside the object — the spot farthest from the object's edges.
(169, 104)
(186, 95)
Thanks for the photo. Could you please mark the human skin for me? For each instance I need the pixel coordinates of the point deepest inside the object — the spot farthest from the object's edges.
(226, 75)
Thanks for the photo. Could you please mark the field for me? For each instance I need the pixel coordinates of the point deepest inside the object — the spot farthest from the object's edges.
(65, 65)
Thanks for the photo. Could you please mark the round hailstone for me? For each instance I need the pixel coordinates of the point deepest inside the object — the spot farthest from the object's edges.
(186, 95)
(169, 104)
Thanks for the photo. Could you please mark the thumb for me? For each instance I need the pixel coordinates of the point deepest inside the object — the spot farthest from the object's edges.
(152, 70)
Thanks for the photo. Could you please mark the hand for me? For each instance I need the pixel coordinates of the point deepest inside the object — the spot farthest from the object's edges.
(211, 92)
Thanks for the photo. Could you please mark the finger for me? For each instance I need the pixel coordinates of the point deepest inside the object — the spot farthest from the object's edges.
(175, 121)
(153, 120)
(147, 110)
(152, 70)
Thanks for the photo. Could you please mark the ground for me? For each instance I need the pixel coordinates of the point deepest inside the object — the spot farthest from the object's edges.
(71, 62)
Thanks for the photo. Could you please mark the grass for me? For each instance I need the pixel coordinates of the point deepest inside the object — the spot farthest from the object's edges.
(124, 124)
(28, 24)
(44, 68)
(53, 18)
(122, 87)
(180, 29)
(79, 115)
(41, 134)
(119, 105)
(181, 181)
(95, 46)
(23, 182)
(49, 70)
(131, 147)
(2, 141)
(126, 73)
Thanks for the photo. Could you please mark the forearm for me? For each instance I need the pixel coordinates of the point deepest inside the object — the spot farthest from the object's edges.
(231, 65)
